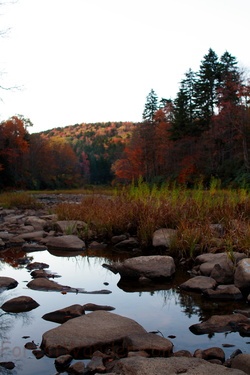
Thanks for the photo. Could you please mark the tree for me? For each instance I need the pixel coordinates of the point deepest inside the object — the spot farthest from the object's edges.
(151, 106)
(206, 89)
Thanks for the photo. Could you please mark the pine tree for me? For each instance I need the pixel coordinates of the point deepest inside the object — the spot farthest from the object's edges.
(151, 106)
(206, 89)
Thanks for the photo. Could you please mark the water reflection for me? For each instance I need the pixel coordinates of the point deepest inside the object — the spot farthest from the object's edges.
(159, 307)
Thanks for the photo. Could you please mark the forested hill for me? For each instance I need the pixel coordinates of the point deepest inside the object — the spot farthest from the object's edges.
(97, 145)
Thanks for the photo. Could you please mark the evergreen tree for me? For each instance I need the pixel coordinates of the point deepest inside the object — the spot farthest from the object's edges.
(206, 89)
(184, 110)
(151, 106)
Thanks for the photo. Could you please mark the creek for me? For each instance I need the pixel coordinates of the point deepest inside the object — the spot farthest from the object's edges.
(163, 309)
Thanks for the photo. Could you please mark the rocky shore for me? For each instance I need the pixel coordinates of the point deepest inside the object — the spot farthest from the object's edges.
(112, 343)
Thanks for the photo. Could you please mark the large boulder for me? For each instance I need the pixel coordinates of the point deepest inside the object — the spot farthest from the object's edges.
(150, 267)
(70, 242)
(169, 366)
(82, 336)
(151, 343)
(241, 362)
(242, 274)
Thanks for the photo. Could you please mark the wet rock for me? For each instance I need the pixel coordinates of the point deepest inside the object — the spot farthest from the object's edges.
(155, 345)
(241, 362)
(82, 336)
(151, 267)
(19, 304)
(48, 285)
(63, 361)
(167, 366)
(38, 353)
(214, 353)
(164, 237)
(242, 274)
(199, 284)
(77, 368)
(94, 307)
(30, 345)
(224, 292)
(7, 283)
(42, 273)
(8, 365)
(37, 266)
(63, 315)
(31, 247)
(70, 242)
(218, 323)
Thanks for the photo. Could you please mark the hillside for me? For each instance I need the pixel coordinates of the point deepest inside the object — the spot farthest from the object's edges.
(97, 146)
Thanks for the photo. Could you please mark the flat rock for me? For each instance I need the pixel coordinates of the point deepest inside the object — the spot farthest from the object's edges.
(37, 266)
(31, 247)
(151, 267)
(70, 242)
(169, 366)
(36, 222)
(44, 284)
(151, 343)
(19, 304)
(82, 336)
(7, 283)
(224, 292)
(63, 315)
(218, 323)
(94, 307)
(199, 284)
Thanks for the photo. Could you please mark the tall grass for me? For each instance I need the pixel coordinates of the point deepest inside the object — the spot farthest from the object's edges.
(140, 209)
(21, 200)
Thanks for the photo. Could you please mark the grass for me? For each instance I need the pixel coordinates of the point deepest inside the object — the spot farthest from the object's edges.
(22, 200)
(139, 210)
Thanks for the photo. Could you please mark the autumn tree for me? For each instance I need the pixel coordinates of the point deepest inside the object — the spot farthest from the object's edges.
(14, 145)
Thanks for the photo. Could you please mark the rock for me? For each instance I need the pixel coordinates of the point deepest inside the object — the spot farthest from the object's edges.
(242, 274)
(38, 353)
(245, 312)
(169, 366)
(218, 323)
(63, 361)
(8, 365)
(77, 368)
(37, 266)
(36, 222)
(70, 226)
(82, 336)
(48, 285)
(198, 284)
(62, 315)
(96, 365)
(97, 245)
(42, 273)
(31, 247)
(214, 353)
(19, 304)
(164, 237)
(7, 283)
(241, 362)
(183, 353)
(151, 343)
(120, 238)
(129, 243)
(140, 353)
(70, 242)
(151, 267)
(218, 266)
(224, 292)
(94, 307)
(32, 236)
(30, 345)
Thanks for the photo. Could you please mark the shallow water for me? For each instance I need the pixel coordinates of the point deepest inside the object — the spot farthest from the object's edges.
(166, 310)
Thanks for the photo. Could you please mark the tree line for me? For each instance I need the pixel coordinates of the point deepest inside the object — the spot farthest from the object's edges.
(201, 134)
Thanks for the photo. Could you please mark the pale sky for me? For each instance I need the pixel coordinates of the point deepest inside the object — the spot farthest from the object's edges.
(96, 60)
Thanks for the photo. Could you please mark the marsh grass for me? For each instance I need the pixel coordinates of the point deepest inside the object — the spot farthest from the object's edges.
(22, 200)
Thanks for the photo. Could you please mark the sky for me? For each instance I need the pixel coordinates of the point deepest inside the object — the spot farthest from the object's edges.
(75, 61)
